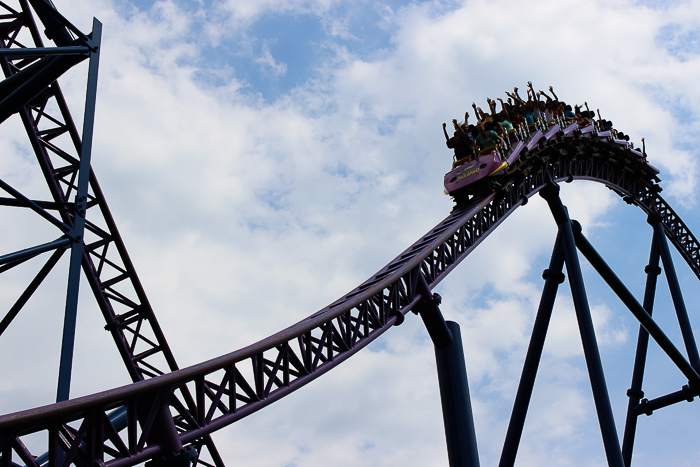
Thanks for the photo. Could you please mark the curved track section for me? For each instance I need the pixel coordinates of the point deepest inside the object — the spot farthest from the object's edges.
(235, 385)
(194, 402)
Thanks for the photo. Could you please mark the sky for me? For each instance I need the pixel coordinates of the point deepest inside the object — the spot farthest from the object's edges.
(263, 158)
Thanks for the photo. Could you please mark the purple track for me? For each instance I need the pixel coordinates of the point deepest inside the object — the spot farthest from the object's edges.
(208, 396)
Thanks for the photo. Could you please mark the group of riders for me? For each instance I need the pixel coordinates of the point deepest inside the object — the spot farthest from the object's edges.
(492, 129)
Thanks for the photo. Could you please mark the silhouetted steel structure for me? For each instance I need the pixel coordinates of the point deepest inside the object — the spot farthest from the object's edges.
(168, 413)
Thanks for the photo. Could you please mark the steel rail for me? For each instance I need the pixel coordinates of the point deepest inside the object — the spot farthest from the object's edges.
(237, 384)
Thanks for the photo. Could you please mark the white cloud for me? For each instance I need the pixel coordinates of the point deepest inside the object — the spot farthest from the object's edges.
(268, 62)
(243, 216)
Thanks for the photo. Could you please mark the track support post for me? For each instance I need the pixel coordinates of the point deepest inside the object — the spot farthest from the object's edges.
(601, 397)
(457, 412)
(676, 295)
(635, 392)
(553, 276)
(66, 360)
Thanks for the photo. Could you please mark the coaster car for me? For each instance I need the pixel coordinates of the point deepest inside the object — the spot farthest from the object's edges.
(469, 176)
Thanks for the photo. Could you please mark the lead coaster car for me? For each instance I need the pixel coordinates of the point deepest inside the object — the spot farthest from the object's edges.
(470, 177)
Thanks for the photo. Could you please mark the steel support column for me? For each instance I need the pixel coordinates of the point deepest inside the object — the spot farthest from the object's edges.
(456, 403)
(458, 418)
(637, 310)
(66, 363)
(678, 303)
(553, 276)
(601, 397)
(635, 392)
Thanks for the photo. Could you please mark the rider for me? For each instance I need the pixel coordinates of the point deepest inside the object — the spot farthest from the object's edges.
(486, 139)
(460, 142)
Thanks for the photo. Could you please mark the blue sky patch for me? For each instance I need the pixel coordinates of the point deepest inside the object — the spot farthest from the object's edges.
(280, 52)
(286, 49)
(682, 44)
(682, 110)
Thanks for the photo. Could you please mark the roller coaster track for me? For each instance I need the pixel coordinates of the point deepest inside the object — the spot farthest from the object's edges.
(208, 396)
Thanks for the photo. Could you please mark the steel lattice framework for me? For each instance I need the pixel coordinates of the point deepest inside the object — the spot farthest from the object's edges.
(167, 410)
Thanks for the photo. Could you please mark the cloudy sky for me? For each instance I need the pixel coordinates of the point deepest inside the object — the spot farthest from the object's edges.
(262, 158)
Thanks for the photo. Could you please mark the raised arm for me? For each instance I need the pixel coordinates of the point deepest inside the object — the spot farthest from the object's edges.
(482, 114)
(503, 106)
(549, 99)
(516, 95)
(551, 89)
(492, 106)
(532, 91)
(444, 130)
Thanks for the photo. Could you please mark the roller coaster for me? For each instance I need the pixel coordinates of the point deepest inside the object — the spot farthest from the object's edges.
(166, 416)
